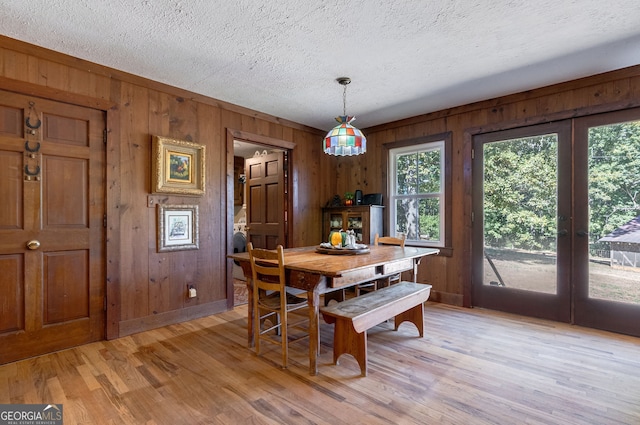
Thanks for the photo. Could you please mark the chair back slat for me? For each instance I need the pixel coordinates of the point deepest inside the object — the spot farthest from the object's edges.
(267, 267)
(270, 300)
(389, 240)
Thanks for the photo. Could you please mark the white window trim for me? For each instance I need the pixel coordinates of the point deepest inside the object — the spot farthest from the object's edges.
(392, 181)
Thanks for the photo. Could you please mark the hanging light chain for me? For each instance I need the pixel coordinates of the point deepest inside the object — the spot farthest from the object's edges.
(344, 100)
(344, 81)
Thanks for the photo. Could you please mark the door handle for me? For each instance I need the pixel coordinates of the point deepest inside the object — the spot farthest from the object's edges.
(582, 233)
(34, 244)
(563, 232)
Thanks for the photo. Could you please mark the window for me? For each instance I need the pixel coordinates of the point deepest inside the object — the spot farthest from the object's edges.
(419, 187)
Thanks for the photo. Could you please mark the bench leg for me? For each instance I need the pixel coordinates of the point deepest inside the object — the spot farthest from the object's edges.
(338, 295)
(414, 315)
(347, 341)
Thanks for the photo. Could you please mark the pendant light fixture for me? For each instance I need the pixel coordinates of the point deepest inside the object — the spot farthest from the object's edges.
(344, 139)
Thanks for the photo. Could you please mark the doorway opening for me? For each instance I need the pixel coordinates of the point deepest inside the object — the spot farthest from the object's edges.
(261, 193)
(556, 221)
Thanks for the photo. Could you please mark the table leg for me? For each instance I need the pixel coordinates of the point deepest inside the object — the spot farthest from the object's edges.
(250, 336)
(313, 299)
(416, 263)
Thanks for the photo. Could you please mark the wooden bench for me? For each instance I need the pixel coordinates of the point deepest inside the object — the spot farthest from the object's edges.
(404, 301)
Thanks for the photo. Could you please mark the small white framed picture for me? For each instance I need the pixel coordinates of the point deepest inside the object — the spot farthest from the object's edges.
(177, 227)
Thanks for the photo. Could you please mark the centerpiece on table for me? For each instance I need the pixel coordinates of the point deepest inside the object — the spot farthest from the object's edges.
(341, 242)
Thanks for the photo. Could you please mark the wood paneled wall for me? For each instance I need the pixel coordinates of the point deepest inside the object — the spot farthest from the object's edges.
(450, 275)
(146, 289)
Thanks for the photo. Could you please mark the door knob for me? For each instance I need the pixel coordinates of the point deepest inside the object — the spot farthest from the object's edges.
(563, 232)
(34, 244)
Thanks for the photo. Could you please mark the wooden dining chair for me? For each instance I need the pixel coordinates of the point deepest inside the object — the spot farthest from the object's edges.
(272, 303)
(379, 283)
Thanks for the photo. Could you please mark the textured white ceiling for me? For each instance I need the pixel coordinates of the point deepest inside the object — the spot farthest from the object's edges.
(405, 58)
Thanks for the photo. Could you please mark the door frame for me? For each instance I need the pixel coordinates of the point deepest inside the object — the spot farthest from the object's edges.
(622, 107)
(268, 142)
(530, 303)
(467, 162)
(110, 245)
(592, 312)
(112, 159)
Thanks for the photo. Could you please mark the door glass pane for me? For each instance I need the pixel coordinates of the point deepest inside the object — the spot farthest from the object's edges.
(614, 212)
(336, 221)
(355, 224)
(520, 213)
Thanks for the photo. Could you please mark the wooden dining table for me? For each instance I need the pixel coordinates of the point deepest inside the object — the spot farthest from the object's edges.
(319, 273)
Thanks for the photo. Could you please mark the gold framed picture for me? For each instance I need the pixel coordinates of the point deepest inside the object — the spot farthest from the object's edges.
(178, 227)
(178, 166)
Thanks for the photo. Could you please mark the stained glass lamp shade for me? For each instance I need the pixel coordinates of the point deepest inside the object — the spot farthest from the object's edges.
(344, 139)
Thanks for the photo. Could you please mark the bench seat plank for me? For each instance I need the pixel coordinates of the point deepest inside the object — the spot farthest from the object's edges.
(353, 317)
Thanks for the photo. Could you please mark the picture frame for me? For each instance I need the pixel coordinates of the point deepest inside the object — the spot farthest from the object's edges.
(178, 167)
(178, 228)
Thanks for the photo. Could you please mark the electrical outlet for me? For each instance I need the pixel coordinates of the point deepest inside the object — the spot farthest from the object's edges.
(192, 292)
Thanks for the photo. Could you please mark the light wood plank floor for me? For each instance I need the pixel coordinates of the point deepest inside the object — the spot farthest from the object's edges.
(472, 367)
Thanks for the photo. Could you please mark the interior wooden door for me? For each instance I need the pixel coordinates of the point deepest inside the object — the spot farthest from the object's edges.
(51, 226)
(266, 220)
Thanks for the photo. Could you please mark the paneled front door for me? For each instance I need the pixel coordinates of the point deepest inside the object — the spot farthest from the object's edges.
(51, 226)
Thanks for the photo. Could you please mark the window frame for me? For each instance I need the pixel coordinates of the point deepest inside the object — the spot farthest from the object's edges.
(421, 144)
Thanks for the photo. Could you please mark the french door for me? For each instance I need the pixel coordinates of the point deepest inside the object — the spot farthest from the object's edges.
(607, 223)
(522, 220)
(557, 221)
